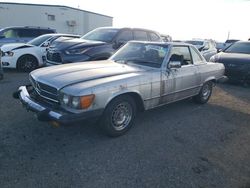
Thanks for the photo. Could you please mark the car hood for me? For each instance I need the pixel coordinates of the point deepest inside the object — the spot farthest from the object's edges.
(15, 46)
(74, 44)
(61, 76)
(228, 58)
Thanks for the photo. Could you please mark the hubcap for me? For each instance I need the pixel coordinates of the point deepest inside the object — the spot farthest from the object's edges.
(121, 116)
(206, 91)
(28, 64)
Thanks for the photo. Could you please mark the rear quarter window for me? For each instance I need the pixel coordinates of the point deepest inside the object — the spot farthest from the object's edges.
(45, 31)
(154, 37)
(29, 33)
(140, 35)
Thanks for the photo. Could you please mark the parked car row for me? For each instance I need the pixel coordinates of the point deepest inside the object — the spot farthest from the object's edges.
(99, 44)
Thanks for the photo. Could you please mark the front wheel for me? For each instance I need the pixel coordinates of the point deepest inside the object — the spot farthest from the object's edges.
(204, 93)
(27, 63)
(119, 116)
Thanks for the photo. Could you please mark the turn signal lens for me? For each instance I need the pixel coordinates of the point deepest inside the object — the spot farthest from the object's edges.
(87, 100)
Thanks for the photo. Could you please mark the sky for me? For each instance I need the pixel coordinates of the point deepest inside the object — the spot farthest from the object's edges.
(182, 19)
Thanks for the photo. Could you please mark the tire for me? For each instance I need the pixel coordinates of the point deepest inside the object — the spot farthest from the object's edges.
(118, 116)
(204, 93)
(27, 63)
(246, 81)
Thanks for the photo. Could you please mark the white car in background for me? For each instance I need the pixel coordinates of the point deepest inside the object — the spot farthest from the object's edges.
(206, 47)
(29, 56)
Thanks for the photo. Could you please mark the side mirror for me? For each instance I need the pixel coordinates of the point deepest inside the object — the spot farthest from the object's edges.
(174, 64)
(46, 44)
(219, 50)
(175, 61)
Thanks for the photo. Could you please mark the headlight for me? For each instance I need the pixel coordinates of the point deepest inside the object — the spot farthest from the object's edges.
(76, 51)
(65, 99)
(77, 102)
(8, 53)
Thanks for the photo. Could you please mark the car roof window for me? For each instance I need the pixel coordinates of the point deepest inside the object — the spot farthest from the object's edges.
(25, 32)
(154, 37)
(125, 35)
(140, 35)
(10, 33)
(196, 56)
(184, 52)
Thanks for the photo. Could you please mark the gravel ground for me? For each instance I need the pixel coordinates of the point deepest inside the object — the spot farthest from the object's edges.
(178, 145)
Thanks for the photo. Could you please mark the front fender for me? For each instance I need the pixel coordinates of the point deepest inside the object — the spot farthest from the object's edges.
(132, 93)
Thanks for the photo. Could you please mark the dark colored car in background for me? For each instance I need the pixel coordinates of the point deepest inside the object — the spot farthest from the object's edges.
(98, 44)
(22, 34)
(236, 59)
(1, 67)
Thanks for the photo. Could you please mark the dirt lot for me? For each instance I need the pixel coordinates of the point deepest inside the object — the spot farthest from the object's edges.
(178, 145)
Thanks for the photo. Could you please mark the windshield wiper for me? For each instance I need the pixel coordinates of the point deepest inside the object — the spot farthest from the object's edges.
(138, 61)
(143, 62)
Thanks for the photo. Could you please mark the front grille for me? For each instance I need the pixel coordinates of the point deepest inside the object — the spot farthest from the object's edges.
(54, 57)
(44, 90)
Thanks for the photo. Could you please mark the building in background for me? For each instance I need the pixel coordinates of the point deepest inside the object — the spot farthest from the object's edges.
(62, 18)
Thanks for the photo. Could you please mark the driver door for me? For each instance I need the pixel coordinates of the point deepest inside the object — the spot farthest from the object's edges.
(184, 80)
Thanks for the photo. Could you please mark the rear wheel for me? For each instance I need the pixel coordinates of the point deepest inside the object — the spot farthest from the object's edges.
(119, 116)
(204, 93)
(246, 81)
(27, 63)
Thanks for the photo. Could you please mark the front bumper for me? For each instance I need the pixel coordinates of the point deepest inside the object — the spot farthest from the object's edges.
(65, 58)
(46, 113)
(8, 61)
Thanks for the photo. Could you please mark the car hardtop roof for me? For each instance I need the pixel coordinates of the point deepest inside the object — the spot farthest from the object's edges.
(134, 28)
(59, 34)
(27, 27)
(62, 34)
(241, 41)
(162, 43)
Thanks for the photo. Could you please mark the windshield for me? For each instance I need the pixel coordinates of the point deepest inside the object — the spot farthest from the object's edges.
(143, 54)
(194, 42)
(39, 40)
(103, 34)
(239, 47)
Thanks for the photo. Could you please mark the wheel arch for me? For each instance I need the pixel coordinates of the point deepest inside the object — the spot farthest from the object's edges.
(23, 55)
(211, 79)
(135, 95)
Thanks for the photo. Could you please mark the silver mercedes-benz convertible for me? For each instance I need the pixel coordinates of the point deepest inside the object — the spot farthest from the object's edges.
(139, 76)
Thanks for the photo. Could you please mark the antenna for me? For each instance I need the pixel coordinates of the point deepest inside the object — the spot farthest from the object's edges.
(228, 35)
